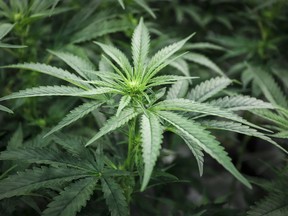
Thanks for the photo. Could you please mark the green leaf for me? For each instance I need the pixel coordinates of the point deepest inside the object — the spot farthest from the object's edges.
(195, 149)
(271, 116)
(44, 91)
(52, 71)
(273, 205)
(80, 65)
(33, 179)
(5, 109)
(114, 123)
(240, 102)
(72, 198)
(146, 7)
(71, 143)
(140, 48)
(11, 46)
(186, 105)
(46, 155)
(181, 65)
(203, 45)
(238, 128)
(178, 89)
(75, 114)
(204, 140)
(16, 140)
(5, 28)
(98, 29)
(81, 17)
(209, 88)
(151, 133)
(125, 100)
(160, 58)
(269, 87)
(203, 60)
(114, 197)
(166, 79)
(117, 56)
(57, 91)
(122, 4)
(281, 134)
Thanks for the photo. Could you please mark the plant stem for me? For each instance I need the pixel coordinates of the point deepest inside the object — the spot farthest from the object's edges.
(131, 140)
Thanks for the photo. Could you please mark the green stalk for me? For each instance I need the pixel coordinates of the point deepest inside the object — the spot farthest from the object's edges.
(131, 140)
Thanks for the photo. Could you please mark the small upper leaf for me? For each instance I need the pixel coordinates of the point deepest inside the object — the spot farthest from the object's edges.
(114, 123)
(140, 47)
(74, 115)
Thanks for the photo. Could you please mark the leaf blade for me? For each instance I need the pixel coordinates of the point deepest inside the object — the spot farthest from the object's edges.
(114, 123)
(204, 140)
(30, 180)
(72, 198)
(151, 132)
(140, 47)
(114, 197)
(74, 115)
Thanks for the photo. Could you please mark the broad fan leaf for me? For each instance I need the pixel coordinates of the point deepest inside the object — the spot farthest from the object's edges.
(114, 123)
(186, 105)
(140, 47)
(53, 71)
(80, 65)
(204, 140)
(46, 155)
(273, 205)
(203, 60)
(5, 109)
(240, 102)
(238, 128)
(208, 88)
(74, 115)
(58, 91)
(72, 199)
(44, 91)
(114, 197)
(151, 133)
(33, 179)
(195, 149)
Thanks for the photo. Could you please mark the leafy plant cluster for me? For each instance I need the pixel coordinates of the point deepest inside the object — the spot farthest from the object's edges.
(124, 103)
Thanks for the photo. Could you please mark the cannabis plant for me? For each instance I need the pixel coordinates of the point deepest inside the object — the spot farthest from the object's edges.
(134, 97)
